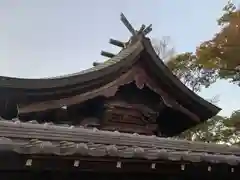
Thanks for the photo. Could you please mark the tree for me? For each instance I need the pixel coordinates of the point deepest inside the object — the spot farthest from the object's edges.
(192, 74)
(221, 54)
(216, 130)
(217, 58)
(234, 124)
(184, 65)
(163, 48)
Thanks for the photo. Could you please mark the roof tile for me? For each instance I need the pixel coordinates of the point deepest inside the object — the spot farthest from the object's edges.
(30, 138)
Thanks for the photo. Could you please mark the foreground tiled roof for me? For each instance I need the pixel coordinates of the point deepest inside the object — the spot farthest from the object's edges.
(32, 138)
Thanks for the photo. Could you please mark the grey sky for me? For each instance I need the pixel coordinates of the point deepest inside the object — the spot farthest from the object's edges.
(56, 37)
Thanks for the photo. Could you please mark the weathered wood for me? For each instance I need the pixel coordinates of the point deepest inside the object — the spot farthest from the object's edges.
(142, 28)
(8, 108)
(136, 74)
(107, 54)
(13, 166)
(147, 30)
(127, 24)
(117, 43)
(90, 122)
(96, 63)
(125, 117)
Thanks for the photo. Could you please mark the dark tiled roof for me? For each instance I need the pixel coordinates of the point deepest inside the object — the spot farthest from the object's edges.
(104, 73)
(69, 79)
(31, 138)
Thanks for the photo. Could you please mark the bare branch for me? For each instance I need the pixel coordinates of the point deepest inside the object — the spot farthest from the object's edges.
(163, 48)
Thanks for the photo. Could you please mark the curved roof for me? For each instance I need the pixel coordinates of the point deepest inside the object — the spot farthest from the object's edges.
(187, 97)
(108, 71)
(98, 71)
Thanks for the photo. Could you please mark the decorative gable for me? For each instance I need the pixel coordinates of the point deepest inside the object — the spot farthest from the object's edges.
(129, 118)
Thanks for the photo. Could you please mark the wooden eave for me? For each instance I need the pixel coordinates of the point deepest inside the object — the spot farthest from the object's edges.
(29, 90)
(177, 89)
(86, 76)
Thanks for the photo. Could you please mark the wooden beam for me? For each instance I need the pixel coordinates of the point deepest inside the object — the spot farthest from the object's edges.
(117, 43)
(147, 30)
(13, 165)
(107, 54)
(127, 24)
(142, 28)
(96, 63)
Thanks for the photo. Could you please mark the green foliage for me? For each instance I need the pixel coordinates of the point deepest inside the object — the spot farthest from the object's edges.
(192, 74)
(222, 52)
(217, 58)
(217, 130)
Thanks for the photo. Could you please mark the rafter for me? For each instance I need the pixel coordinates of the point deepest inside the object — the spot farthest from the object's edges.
(127, 24)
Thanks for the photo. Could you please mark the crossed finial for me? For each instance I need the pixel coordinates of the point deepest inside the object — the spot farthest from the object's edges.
(144, 30)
